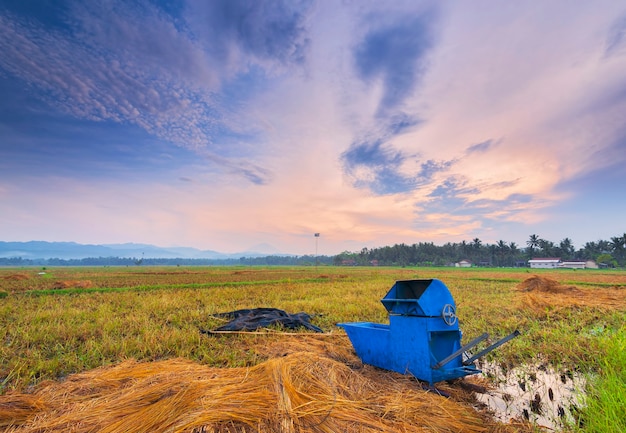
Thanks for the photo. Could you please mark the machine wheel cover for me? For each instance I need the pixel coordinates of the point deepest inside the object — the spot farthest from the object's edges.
(449, 314)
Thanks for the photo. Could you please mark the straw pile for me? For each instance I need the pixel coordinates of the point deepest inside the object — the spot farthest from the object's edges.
(73, 284)
(16, 277)
(299, 392)
(546, 285)
(540, 292)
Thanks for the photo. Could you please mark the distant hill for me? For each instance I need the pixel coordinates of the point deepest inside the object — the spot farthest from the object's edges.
(72, 250)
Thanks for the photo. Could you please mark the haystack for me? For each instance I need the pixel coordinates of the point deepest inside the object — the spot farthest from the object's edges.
(73, 284)
(541, 292)
(543, 284)
(16, 277)
(298, 392)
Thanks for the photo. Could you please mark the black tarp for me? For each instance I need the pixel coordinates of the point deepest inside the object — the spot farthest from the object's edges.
(255, 318)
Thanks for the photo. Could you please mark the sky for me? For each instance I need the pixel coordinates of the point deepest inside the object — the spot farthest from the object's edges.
(237, 125)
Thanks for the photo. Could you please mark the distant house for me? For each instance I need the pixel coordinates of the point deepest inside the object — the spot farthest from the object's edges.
(463, 264)
(544, 263)
(573, 264)
(579, 264)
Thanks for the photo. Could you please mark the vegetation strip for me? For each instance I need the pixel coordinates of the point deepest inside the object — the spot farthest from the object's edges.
(75, 291)
(606, 399)
(497, 280)
(570, 282)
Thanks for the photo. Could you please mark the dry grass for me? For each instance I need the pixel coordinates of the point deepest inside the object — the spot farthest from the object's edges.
(310, 385)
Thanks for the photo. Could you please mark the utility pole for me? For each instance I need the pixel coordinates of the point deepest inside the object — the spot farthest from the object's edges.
(317, 235)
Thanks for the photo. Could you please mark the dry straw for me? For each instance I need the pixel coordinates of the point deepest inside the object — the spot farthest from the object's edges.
(302, 391)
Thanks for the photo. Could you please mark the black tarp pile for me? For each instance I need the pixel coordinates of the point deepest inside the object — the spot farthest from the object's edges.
(256, 318)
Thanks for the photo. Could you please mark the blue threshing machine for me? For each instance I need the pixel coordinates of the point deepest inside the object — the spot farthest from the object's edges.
(423, 336)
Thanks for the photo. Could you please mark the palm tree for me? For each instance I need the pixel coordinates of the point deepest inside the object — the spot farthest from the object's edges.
(567, 248)
(604, 246)
(590, 250)
(532, 242)
(547, 247)
(617, 243)
(618, 246)
(502, 248)
(464, 246)
(514, 253)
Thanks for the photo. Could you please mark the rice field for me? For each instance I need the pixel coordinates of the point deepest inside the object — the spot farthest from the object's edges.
(124, 344)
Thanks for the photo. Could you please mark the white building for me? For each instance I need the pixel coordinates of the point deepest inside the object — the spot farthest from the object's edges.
(544, 263)
(574, 264)
(463, 264)
(579, 264)
(554, 263)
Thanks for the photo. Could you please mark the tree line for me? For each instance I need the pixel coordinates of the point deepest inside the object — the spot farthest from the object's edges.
(611, 253)
(306, 260)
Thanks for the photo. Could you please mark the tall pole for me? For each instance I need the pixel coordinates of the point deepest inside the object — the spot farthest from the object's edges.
(317, 235)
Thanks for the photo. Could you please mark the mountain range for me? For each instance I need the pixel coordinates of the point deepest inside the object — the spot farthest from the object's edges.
(72, 250)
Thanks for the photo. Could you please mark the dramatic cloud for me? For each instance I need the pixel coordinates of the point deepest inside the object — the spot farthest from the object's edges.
(480, 147)
(616, 39)
(268, 31)
(396, 55)
(376, 167)
(379, 167)
(402, 123)
(131, 64)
